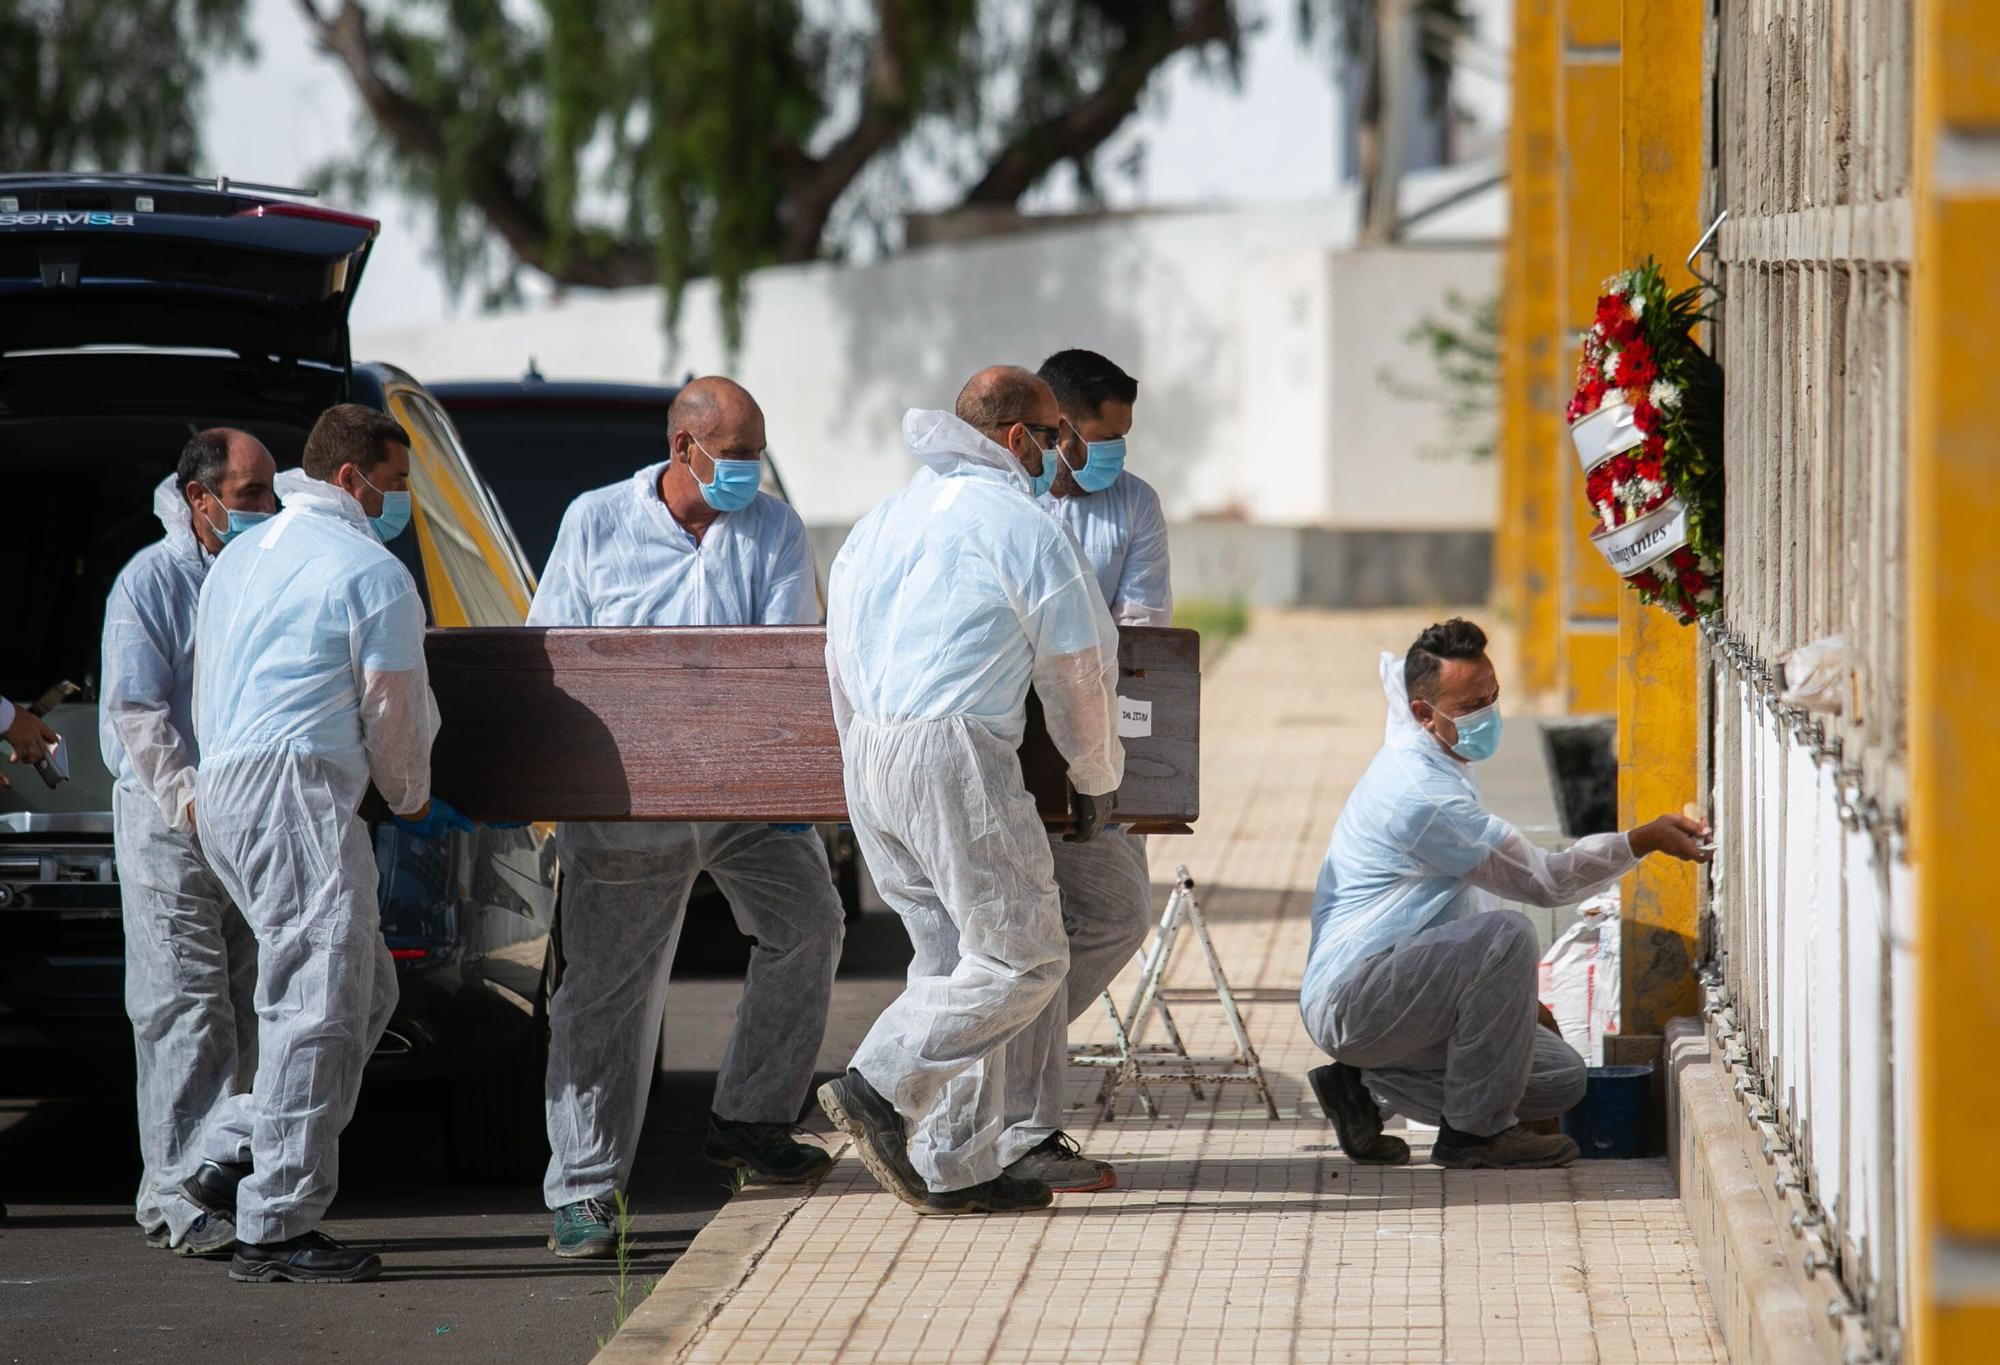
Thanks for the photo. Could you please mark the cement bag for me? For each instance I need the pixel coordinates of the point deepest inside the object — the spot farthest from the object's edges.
(1579, 977)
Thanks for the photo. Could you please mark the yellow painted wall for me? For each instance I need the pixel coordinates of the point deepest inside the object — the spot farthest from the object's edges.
(1589, 157)
(1657, 678)
(1527, 548)
(1955, 654)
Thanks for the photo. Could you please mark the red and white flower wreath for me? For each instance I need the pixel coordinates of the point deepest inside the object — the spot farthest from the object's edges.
(1642, 420)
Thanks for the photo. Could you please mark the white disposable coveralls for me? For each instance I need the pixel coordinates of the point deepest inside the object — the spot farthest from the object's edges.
(190, 959)
(947, 601)
(1414, 975)
(1106, 885)
(620, 559)
(309, 683)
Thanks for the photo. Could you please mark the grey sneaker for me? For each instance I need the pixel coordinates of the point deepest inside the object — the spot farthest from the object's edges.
(1002, 1194)
(208, 1235)
(159, 1238)
(1056, 1161)
(1515, 1148)
(859, 1111)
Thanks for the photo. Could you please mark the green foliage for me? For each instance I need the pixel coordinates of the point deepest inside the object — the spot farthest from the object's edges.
(110, 84)
(1220, 622)
(1463, 346)
(622, 1298)
(617, 142)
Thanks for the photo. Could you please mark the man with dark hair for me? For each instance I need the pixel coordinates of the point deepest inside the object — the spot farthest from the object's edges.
(190, 959)
(947, 602)
(1106, 886)
(350, 434)
(689, 541)
(310, 684)
(1421, 989)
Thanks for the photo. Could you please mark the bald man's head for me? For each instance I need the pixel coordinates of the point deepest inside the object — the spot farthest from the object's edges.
(223, 470)
(711, 419)
(1001, 395)
(1010, 407)
(703, 403)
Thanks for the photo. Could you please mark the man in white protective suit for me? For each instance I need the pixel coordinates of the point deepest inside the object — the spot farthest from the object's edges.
(309, 684)
(690, 541)
(1417, 985)
(1107, 897)
(190, 959)
(948, 601)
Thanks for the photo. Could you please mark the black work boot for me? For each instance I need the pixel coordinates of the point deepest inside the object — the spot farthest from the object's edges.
(859, 1111)
(1356, 1118)
(212, 1187)
(768, 1151)
(1516, 1148)
(1002, 1194)
(309, 1258)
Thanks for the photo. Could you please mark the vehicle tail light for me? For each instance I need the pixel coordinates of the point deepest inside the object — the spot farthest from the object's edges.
(311, 211)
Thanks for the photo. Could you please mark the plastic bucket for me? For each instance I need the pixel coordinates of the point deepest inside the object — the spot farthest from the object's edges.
(1611, 1120)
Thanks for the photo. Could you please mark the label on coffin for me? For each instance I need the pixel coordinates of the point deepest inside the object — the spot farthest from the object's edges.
(1638, 544)
(1135, 718)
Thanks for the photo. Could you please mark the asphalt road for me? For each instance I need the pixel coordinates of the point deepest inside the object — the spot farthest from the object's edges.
(466, 1272)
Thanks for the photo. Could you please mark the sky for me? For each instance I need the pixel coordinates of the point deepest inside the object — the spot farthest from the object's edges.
(275, 119)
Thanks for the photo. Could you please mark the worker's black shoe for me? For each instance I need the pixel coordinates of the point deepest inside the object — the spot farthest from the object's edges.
(877, 1129)
(1002, 1194)
(309, 1258)
(1356, 1119)
(1513, 1148)
(212, 1187)
(768, 1151)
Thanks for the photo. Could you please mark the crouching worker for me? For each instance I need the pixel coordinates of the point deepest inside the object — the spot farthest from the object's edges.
(1421, 989)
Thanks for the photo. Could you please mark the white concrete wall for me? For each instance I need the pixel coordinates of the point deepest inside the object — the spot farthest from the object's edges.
(1256, 341)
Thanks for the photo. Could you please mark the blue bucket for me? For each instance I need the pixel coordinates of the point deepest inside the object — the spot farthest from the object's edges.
(1611, 1120)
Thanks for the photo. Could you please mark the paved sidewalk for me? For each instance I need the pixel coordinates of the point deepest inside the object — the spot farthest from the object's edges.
(1230, 1236)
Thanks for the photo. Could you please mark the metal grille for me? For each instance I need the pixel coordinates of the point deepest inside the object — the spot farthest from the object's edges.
(1811, 152)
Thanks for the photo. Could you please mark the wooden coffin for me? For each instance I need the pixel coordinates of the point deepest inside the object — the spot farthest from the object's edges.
(736, 724)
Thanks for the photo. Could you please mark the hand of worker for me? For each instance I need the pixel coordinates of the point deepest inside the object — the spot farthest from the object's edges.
(1547, 1019)
(437, 819)
(1089, 819)
(1677, 836)
(31, 738)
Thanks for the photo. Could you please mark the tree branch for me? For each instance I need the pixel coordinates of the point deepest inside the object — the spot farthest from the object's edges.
(887, 107)
(416, 131)
(1078, 131)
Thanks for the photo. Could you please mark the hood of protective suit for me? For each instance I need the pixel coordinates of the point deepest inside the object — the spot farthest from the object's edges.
(296, 488)
(1401, 728)
(948, 445)
(176, 517)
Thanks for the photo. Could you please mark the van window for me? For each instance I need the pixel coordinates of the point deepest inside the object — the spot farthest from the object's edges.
(472, 570)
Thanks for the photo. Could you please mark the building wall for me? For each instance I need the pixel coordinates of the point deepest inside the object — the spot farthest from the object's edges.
(1258, 338)
(1811, 892)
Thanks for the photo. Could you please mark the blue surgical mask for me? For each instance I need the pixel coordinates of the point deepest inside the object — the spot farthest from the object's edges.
(1478, 733)
(735, 484)
(1104, 462)
(1039, 484)
(395, 512)
(239, 522)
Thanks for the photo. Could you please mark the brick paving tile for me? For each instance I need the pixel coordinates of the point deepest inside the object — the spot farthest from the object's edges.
(1231, 1237)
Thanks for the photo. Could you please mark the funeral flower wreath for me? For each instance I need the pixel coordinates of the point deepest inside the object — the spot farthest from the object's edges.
(1644, 418)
